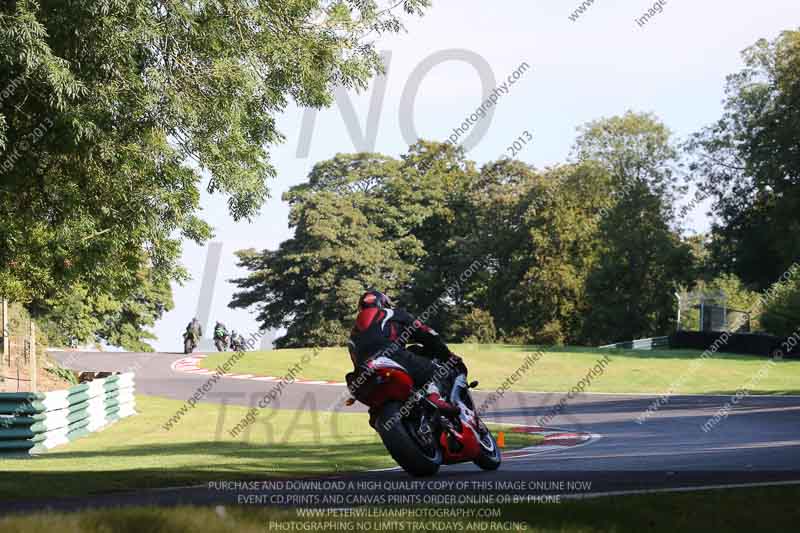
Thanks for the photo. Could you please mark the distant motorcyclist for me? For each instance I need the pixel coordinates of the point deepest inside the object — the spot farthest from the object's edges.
(380, 329)
(237, 342)
(192, 335)
(221, 336)
(194, 330)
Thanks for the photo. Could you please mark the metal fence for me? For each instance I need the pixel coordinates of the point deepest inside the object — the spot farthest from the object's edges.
(709, 311)
(18, 361)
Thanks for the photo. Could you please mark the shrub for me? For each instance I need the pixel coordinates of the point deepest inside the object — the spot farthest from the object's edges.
(551, 334)
(781, 315)
(519, 336)
(475, 326)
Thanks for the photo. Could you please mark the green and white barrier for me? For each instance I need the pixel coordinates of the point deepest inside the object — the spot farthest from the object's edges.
(35, 422)
(641, 344)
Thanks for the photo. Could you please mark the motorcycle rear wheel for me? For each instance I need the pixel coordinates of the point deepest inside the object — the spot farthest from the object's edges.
(403, 447)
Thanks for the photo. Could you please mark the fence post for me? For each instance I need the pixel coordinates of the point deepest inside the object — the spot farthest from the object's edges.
(33, 356)
(5, 354)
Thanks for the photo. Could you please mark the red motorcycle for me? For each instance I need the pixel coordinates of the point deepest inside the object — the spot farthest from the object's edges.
(415, 432)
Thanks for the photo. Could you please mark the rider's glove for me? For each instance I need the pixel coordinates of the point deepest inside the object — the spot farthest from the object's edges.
(455, 361)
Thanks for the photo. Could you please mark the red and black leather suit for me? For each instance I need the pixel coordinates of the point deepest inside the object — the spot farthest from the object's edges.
(381, 330)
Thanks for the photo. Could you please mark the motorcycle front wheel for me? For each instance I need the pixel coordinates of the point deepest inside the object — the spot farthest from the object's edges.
(188, 346)
(399, 437)
(490, 457)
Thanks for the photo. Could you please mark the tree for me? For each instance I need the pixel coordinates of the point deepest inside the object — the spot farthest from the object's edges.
(81, 317)
(501, 198)
(701, 256)
(642, 258)
(113, 113)
(748, 163)
(537, 233)
(506, 251)
(432, 200)
(474, 325)
(781, 315)
(369, 221)
(312, 283)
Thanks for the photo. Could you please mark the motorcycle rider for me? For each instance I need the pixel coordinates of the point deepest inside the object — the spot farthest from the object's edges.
(380, 329)
(237, 342)
(194, 331)
(220, 332)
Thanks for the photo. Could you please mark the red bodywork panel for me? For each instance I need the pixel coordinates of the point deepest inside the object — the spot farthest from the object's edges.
(395, 385)
(471, 448)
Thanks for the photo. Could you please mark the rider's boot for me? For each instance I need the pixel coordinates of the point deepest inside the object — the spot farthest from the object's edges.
(434, 396)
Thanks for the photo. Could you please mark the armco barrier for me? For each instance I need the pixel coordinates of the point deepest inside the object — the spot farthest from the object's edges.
(35, 422)
(641, 344)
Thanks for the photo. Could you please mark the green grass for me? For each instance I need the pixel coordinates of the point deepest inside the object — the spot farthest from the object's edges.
(751, 510)
(560, 369)
(138, 452)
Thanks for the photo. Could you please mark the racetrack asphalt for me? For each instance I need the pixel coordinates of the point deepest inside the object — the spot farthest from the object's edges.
(758, 442)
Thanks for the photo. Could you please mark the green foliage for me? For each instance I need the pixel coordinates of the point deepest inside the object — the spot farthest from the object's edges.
(551, 334)
(62, 373)
(701, 256)
(747, 161)
(781, 315)
(474, 326)
(347, 238)
(19, 326)
(737, 295)
(362, 221)
(642, 260)
(433, 199)
(637, 151)
(82, 317)
(539, 231)
(115, 113)
(506, 249)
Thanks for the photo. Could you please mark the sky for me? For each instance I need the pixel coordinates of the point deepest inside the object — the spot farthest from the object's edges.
(603, 63)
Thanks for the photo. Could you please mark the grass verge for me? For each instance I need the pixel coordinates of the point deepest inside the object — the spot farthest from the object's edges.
(752, 510)
(559, 369)
(137, 452)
